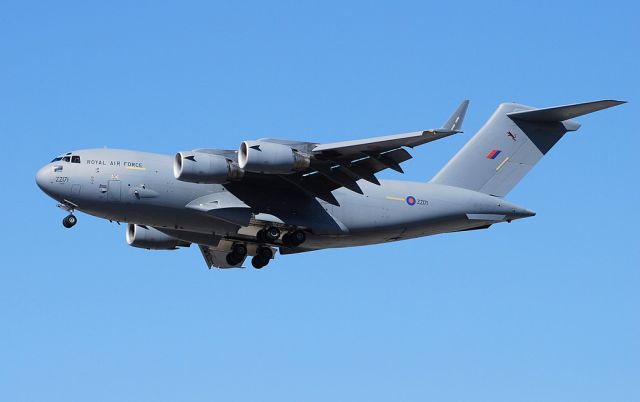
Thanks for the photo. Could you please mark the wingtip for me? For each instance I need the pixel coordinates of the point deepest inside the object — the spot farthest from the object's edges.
(454, 123)
(610, 102)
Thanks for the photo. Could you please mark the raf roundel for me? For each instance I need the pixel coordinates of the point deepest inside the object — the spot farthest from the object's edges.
(411, 200)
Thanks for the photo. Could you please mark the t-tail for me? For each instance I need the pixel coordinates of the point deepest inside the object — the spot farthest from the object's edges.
(512, 141)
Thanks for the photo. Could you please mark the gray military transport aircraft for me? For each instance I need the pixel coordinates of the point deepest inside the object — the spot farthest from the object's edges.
(299, 196)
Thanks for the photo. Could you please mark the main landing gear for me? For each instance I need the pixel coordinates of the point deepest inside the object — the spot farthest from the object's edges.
(262, 257)
(69, 221)
(264, 253)
(294, 239)
(290, 239)
(268, 235)
(237, 254)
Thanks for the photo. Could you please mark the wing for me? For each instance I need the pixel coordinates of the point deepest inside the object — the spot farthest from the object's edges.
(342, 164)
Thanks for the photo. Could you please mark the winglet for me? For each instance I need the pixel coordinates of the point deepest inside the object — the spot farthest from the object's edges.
(455, 121)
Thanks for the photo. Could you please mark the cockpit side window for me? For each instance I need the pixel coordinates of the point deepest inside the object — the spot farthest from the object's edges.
(56, 159)
(75, 159)
(66, 159)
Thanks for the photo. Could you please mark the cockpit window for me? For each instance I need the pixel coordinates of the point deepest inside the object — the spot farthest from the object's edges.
(67, 158)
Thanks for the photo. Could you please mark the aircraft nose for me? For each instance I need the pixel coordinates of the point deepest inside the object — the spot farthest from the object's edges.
(42, 177)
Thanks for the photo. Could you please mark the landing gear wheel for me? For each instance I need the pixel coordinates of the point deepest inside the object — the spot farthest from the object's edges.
(264, 253)
(258, 262)
(262, 257)
(233, 259)
(271, 234)
(237, 254)
(239, 249)
(294, 239)
(298, 237)
(286, 240)
(69, 221)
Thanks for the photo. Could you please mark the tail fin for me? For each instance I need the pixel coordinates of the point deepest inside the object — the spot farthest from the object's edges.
(512, 141)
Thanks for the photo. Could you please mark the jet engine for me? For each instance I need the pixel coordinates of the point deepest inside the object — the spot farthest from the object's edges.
(202, 167)
(269, 157)
(152, 239)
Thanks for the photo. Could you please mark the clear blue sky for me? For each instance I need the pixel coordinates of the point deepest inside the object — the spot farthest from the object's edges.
(543, 309)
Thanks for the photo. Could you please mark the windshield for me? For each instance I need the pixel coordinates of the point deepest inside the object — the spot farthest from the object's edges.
(67, 158)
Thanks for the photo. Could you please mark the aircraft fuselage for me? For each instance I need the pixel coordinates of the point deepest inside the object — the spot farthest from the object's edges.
(138, 187)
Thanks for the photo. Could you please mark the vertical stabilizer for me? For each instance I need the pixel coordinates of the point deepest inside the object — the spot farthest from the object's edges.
(510, 143)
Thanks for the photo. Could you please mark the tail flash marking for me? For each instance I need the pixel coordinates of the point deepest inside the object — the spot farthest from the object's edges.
(493, 154)
(502, 163)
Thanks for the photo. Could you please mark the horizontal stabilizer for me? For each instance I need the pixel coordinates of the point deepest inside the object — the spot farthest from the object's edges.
(562, 113)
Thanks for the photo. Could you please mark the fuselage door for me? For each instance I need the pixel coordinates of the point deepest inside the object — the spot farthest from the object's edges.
(113, 190)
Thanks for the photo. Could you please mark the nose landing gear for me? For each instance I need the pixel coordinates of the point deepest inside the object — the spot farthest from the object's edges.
(69, 221)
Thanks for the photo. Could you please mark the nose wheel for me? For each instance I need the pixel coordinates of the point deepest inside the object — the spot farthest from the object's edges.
(69, 221)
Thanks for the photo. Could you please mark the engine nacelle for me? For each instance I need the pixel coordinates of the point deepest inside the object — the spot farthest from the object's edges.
(202, 167)
(268, 157)
(152, 239)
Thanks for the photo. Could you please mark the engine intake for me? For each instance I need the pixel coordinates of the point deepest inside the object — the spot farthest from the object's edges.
(269, 157)
(152, 239)
(201, 167)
